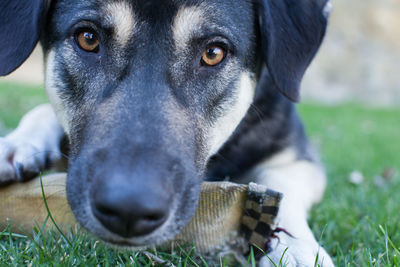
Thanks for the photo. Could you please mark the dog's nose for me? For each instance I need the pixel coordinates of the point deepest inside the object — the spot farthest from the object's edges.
(129, 210)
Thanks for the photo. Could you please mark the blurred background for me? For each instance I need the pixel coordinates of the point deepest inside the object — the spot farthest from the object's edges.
(358, 62)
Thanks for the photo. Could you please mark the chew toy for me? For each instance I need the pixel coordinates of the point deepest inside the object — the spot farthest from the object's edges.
(228, 214)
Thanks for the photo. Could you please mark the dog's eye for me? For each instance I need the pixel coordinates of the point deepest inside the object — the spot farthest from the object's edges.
(87, 41)
(213, 55)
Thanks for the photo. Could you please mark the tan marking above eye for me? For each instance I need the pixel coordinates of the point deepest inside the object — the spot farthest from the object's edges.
(213, 55)
(88, 41)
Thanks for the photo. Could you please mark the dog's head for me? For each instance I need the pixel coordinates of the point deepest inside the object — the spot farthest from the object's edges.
(148, 90)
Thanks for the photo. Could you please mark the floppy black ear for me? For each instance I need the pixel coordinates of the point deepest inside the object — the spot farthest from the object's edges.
(20, 24)
(291, 33)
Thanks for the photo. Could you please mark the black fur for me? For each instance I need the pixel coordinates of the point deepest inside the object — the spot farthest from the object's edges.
(20, 26)
(291, 33)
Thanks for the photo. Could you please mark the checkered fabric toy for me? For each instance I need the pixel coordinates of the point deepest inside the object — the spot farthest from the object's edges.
(260, 211)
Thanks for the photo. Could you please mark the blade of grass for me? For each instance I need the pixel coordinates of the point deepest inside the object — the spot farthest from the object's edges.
(281, 259)
(388, 239)
(187, 255)
(252, 258)
(49, 212)
(265, 254)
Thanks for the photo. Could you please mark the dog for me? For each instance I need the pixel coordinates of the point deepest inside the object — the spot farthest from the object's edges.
(157, 96)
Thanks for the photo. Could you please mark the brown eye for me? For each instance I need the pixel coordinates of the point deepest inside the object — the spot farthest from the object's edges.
(213, 55)
(88, 41)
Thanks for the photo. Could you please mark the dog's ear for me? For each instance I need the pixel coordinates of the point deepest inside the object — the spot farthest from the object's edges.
(20, 25)
(291, 32)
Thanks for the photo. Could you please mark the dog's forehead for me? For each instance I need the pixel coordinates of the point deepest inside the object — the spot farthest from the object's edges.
(179, 16)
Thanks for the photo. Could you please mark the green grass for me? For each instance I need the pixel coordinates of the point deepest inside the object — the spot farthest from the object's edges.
(352, 138)
(15, 101)
(359, 225)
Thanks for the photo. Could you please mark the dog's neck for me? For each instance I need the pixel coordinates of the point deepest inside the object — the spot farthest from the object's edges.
(263, 132)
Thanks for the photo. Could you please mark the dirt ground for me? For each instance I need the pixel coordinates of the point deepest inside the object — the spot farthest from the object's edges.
(359, 61)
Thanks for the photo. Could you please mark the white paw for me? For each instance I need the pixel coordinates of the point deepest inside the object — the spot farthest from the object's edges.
(296, 252)
(22, 161)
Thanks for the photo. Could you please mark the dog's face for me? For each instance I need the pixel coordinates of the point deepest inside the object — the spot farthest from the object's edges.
(148, 90)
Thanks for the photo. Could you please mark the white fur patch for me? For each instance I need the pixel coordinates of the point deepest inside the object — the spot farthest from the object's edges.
(187, 21)
(52, 87)
(36, 139)
(39, 126)
(295, 178)
(235, 111)
(302, 184)
(283, 158)
(121, 16)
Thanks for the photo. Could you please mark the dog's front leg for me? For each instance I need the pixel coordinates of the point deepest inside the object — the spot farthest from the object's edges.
(31, 147)
(303, 183)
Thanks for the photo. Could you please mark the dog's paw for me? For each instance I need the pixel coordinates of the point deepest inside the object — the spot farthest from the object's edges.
(296, 252)
(22, 161)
